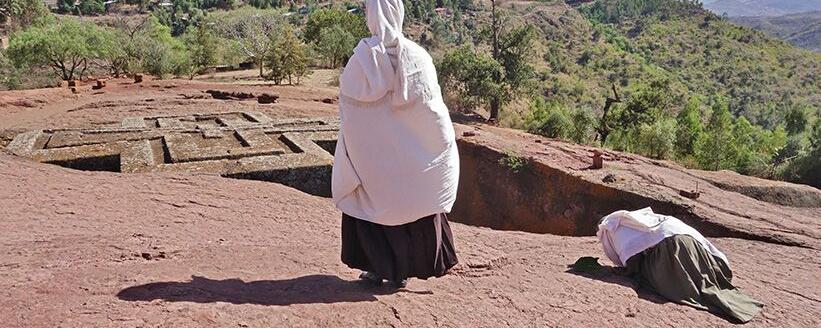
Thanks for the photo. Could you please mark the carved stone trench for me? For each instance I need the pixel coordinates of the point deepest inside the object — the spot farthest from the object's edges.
(245, 145)
(298, 153)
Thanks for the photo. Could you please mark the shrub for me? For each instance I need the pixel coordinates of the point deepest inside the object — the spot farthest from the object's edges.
(550, 119)
(583, 123)
(656, 139)
(512, 162)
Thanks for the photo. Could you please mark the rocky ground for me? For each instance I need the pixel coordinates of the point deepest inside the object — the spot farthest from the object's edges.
(101, 249)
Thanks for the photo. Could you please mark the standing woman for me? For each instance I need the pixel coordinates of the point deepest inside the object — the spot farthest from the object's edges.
(396, 166)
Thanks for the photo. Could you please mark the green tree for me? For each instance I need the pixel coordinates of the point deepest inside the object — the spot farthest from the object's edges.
(91, 7)
(180, 15)
(202, 47)
(223, 4)
(513, 49)
(67, 46)
(21, 13)
(160, 53)
(472, 76)
(252, 30)
(288, 60)
(145, 45)
(815, 136)
(335, 45)
(796, 120)
(770, 141)
(645, 105)
(66, 6)
(715, 149)
(806, 167)
(265, 4)
(793, 149)
(516, 49)
(328, 18)
(9, 76)
(127, 57)
(688, 127)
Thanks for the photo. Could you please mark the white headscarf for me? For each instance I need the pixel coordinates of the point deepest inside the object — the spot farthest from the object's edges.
(396, 158)
(377, 66)
(385, 19)
(627, 233)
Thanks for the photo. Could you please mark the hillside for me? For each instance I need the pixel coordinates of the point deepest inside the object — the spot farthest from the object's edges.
(734, 8)
(679, 81)
(585, 49)
(802, 30)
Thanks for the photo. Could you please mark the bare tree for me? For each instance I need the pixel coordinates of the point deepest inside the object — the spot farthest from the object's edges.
(130, 26)
(604, 124)
(125, 60)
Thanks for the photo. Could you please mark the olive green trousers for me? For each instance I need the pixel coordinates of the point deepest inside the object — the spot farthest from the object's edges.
(682, 271)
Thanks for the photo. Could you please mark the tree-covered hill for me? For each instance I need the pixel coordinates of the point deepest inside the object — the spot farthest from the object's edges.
(672, 63)
(584, 50)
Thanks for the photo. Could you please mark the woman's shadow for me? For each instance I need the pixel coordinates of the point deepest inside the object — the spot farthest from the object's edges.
(301, 290)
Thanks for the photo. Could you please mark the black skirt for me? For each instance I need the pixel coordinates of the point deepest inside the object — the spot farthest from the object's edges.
(420, 249)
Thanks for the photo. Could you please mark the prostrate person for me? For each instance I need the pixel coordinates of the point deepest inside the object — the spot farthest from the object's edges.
(674, 260)
(396, 166)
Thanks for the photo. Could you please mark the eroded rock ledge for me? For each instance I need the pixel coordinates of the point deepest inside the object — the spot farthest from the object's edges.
(512, 180)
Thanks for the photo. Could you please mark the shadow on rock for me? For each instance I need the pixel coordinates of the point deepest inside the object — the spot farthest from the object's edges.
(614, 275)
(301, 290)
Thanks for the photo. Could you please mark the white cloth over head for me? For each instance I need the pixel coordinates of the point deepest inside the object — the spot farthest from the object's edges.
(396, 159)
(624, 234)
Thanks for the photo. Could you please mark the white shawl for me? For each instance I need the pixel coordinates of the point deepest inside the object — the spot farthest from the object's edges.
(396, 159)
(624, 234)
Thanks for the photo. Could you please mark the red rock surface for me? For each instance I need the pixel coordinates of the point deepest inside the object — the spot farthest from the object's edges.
(236, 253)
(100, 249)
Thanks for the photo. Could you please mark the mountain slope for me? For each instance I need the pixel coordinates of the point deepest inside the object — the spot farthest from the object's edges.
(734, 8)
(802, 30)
(588, 48)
